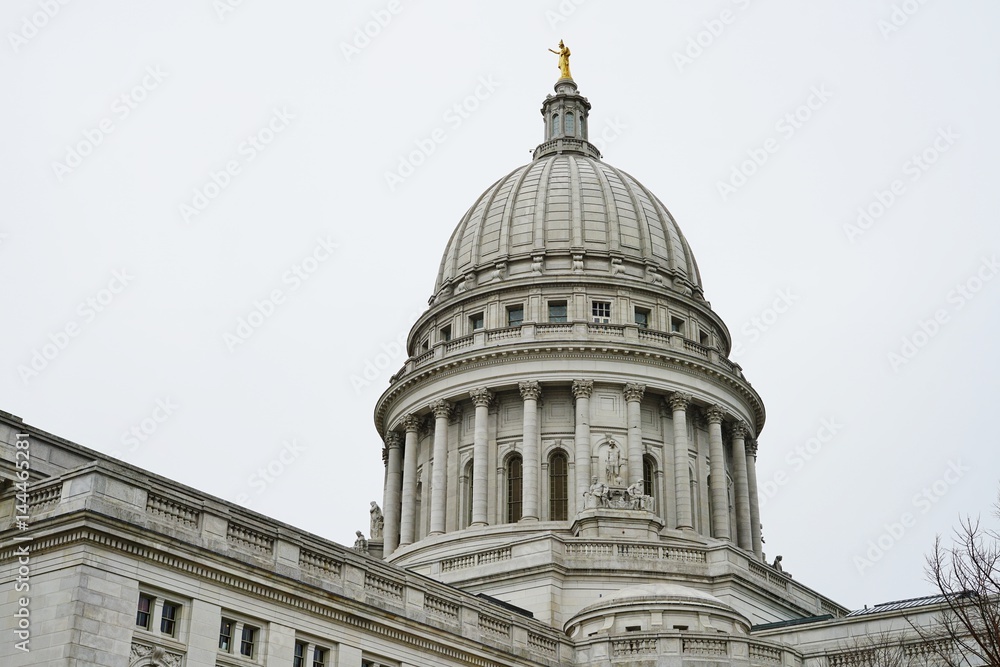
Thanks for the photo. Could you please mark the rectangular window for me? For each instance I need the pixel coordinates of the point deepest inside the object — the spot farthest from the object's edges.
(677, 325)
(226, 635)
(168, 618)
(476, 321)
(557, 311)
(319, 657)
(144, 611)
(705, 339)
(642, 318)
(446, 333)
(248, 641)
(601, 311)
(299, 656)
(515, 316)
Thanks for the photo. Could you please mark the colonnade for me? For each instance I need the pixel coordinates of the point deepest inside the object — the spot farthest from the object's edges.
(401, 476)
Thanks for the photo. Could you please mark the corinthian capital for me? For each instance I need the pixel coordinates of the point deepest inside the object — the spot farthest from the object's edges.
(441, 409)
(679, 401)
(393, 440)
(481, 397)
(634, 391)
(583, 388)
(530, 390)
(715, 414)
(740, 430)
(751, 447)
(411, 423)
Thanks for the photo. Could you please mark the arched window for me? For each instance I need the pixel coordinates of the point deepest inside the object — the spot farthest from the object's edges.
(558, 486)
(555, 125)
(648, 475)
(570, 129)
(514, 489)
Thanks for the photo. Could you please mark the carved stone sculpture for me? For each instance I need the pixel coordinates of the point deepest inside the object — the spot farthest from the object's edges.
(377, 521)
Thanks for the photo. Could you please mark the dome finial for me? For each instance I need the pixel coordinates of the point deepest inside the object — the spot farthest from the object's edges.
(564, 54)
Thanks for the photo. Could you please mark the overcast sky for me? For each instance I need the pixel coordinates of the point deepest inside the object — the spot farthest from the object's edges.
(168, 169)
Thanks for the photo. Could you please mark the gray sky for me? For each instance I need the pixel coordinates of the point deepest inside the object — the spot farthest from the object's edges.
(168, 169)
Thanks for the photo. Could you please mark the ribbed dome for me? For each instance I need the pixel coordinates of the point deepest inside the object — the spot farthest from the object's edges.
(570, 204)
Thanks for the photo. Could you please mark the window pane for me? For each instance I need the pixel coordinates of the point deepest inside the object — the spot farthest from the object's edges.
(570, 129)
(647, 476)
(558, 487)
(319, 657)
(298, 658)
(168, 619)
(142, 613)
(476, 321)
(515, 316)
(514, 489)
(642, 318)
(601, 311)
(557, 311)
(226, 636)
(248, 640)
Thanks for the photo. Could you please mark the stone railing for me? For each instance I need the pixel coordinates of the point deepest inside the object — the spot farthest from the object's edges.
(578, 332)
(173, 511)
(591, 549)
(768, 574)
(670, 648)
(472, 560)
(42, 497)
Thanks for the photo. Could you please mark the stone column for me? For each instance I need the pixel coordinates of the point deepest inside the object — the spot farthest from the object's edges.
(408, 511)
(530, 393)
(717, 469)
(481, 399)
(439, 480)
(751, 452)
(633, 399)
(664, 504)
(682, 483)
(582, 390)
(743, 535)
(394, 479)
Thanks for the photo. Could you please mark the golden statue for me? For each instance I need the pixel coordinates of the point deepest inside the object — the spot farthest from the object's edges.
(564, 55)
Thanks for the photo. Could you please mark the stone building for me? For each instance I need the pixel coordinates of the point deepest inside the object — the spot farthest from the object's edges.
(570, 480)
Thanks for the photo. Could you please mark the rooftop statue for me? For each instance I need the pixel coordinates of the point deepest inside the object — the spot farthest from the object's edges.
(564, 55)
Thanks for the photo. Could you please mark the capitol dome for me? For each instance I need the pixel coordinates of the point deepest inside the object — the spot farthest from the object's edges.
(568, 203)
(567, 214)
